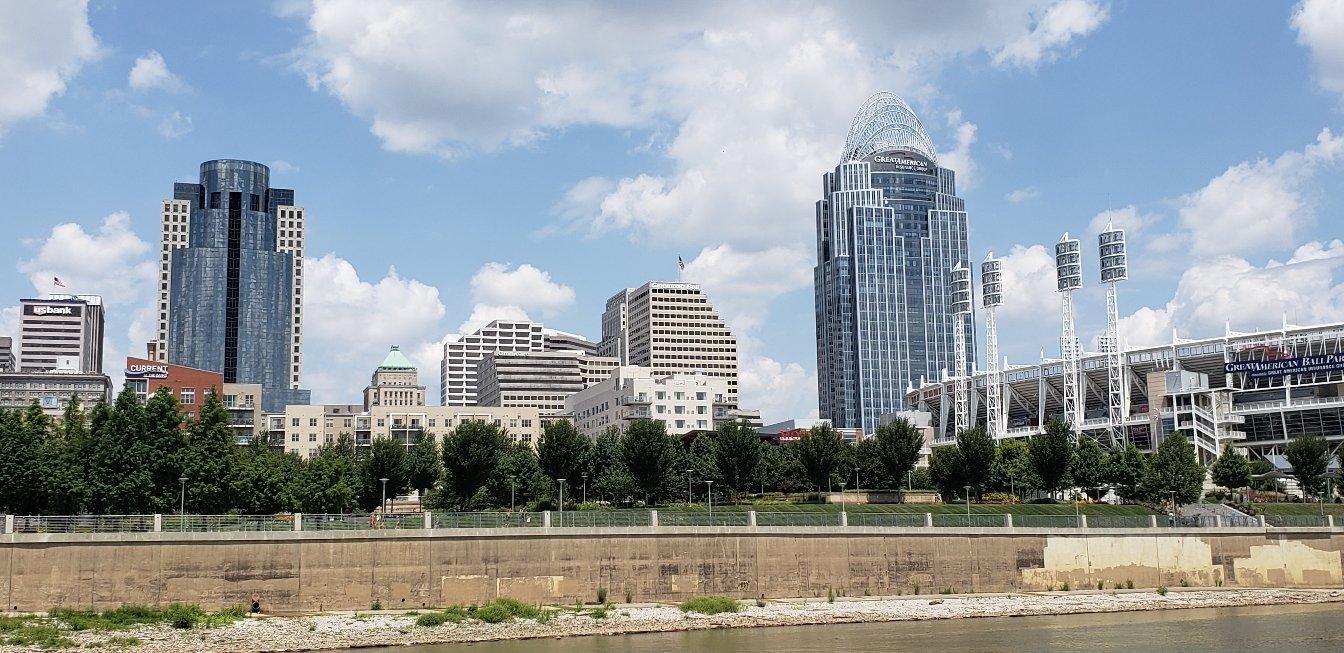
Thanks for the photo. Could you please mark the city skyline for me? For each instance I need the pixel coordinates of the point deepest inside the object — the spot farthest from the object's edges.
(541, 191)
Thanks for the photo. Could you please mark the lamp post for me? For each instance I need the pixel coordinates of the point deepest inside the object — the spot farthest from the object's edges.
(562, 497)
(585, 487)
(1173, 507)
(182, 507)
(513, 491)
(842, 501)
(384, 504)
(856, 480)
(709, 492)
(688, 487)
(968, 505)
(1077, 513)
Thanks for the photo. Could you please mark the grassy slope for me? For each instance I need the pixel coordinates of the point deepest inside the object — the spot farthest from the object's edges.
(1299, 508)
(956, 508)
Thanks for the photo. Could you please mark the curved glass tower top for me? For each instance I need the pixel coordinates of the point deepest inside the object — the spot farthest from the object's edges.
(886, 122)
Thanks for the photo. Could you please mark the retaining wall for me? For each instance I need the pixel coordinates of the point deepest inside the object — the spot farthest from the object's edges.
(293, 571)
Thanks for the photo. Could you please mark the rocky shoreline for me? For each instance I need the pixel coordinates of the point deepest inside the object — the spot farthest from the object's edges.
(337, 631)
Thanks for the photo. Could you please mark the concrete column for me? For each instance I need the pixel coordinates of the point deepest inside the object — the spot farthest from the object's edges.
(1261, 517)
(1007, 520)
(844, 519)
(928, 520)
(1152, 521)
(653, 519)
(751, 518)
(429, 520)
(546, 519)
(9, 523)
(298, 521)
(1218, 521)
(158, 523)
(1083, 523)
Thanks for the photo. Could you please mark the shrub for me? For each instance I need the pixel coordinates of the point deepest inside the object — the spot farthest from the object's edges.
(710, 605)
(432, 619)
(1066, 586)
(1129, 584)
(492, 613)
(999, 498)
(377, 605)
(629, 598)
(1101, 585)
(598, 613)
(515, 608)
(601, 596)
(456, 613)
(1162, 590)
(830, 595)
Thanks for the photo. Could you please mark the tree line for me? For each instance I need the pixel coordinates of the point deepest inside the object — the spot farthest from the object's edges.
(129, 456)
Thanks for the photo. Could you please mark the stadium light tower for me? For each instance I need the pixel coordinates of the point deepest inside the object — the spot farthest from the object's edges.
(1068, 278)
(961, 307)
(1114, 268)
(991, 296)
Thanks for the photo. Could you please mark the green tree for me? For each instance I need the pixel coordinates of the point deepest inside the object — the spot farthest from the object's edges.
(780, 470)
(120, 479)
(209, 459)
(1310, 457)
(518, 479)
(947, 471)
(23, 442)
(386, 460)
(563, 452)
(737, 455)
(264, 479)
(1051, 453)
(896, 448)
(698, 456)
(325, 483)
(1232, 470)
(1088, 467)
(1174, 469)
(611, 480)
(1125, 470)
(1013, 469)
(978, 454)
(164, 441)
(65, 463)
(424, 466)
(471, 454)
(650, 457)
(820, 451)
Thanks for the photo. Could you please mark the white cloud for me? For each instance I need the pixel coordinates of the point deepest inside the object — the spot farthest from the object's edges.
(780, 390)
(1257, 206)
(352, 322)
(1029, 282)
(742, 285)
(959, 157)
(1056, 27)
(151, 72)
(1022, 194)
(1308, 288)
(174, 126)
(525, 286)
(282, 166)
(483, 314)
(1127, 218)
(43, 46)
(1320, 27)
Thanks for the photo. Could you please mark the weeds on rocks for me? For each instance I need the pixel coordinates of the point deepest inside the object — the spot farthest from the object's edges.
(1162, 590)
(710, 605)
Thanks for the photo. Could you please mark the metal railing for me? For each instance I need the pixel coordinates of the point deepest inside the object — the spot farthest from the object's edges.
(407, 521)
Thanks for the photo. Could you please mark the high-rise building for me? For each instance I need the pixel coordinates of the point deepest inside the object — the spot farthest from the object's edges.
(538, 379)
(670, 328)
(396, 382)
(231, 280)
(6, 354)
(457, 371)
(890, 228)
(685, 403)
(561, 341)
(62, 332)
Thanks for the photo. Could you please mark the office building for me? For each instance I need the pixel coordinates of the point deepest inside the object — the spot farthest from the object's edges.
(6, 354)
(396, 382)
(303, 429)
(188, 384)
(685, 403)
(890, 228)
(561, 341)
(52, 390)
(538, 379)
(457, 370)
(670, 328)
(231, 280)
(61, 332)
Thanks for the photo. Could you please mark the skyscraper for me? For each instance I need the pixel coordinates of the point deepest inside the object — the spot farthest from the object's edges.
(61, 332)
(231, 280)
(890, 228)
(672, 328)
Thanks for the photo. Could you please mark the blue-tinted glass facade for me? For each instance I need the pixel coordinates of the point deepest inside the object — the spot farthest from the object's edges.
(231, 292)
(890, 228)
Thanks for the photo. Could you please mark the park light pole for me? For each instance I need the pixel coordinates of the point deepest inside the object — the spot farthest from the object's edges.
(688, 487)
(844, 515)
(1173, 507)
(856, 479)
(1077, 513)
(968, 505)
(709, 492)
(384, 505)
(562, 496)
(513, 491)
(585, 487)
(182, 507)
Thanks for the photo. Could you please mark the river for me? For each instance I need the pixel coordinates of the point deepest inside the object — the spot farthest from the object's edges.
(1300, 629)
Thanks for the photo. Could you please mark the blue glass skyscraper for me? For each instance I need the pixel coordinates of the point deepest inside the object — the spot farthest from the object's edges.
(890, 228)
(231, 280)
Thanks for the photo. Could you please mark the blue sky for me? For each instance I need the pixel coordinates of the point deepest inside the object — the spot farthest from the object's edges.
(463, 161)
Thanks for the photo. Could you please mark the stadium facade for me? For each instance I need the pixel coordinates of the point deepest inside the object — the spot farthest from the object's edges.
(1255, 391)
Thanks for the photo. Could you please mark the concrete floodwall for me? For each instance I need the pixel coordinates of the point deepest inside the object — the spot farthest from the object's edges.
(293, 571)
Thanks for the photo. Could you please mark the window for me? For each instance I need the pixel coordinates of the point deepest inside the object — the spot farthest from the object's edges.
(294, 422)
(312, 437)
(312, 421)
(188, 396)
(294, 437)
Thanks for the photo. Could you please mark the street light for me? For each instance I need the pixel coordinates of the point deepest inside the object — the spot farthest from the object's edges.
(384, 506)
(513, 491)
(968, 505)
(182, 509)
(709, 491)
(688, 487)
(842, 501)
(1077, 512)
(585, 487)
(856, 480)
(1173, 507)
(562, 494)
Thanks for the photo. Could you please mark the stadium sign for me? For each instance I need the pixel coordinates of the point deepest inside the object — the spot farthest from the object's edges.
(1264, 369)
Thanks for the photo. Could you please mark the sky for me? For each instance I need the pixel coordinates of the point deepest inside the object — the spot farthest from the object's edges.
(464, 161)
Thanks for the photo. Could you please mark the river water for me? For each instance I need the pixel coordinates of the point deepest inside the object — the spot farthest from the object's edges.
(1280, 629)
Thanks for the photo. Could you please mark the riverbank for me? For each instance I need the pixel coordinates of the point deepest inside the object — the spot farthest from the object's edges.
(356, 630)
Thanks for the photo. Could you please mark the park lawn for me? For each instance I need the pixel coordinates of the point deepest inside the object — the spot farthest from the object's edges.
(937, 508)
(1298, 508)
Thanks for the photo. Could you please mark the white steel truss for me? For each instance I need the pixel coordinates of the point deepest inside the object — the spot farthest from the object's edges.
(994, 381)
(1068, 351)
(962, 389)
(1118, 394)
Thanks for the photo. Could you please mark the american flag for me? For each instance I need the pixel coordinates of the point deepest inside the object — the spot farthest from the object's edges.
(57, 281)
(680, 263)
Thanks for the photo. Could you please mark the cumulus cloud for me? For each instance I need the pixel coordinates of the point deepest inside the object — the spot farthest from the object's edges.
(1022, 195)
(1320, 27)
(1056, 27)
(1028, 276)
(780, 390)
(742, 285)
(525, 286)
(959, 157)
(1260, 205)
(1127, 218)
(151, 72)
(282, 166)
(44, 45)
(174, 126)
(483, 314)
